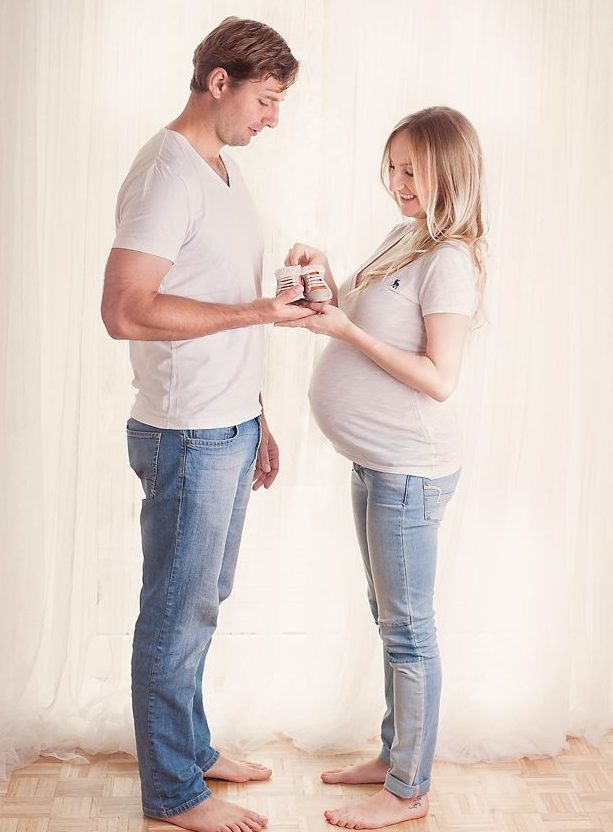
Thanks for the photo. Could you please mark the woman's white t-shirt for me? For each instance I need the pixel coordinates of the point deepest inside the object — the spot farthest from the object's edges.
(369, 416)
(173, 205)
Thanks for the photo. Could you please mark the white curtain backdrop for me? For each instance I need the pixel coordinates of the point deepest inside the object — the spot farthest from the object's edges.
(525, 568)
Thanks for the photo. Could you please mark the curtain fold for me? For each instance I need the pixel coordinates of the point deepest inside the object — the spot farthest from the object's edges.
(525, 568)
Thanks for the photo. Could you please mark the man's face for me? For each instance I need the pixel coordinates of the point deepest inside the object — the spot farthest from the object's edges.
(248, 108)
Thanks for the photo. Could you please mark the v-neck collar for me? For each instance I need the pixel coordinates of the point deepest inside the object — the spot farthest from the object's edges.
(227, 185)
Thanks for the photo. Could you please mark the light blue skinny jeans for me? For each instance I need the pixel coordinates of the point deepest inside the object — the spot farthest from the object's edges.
(397, 519)
(197, 485)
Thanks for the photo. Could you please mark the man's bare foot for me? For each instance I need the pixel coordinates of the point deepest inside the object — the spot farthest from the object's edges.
(215, 815)
(236, 771)
(374, 771)
(382, 809)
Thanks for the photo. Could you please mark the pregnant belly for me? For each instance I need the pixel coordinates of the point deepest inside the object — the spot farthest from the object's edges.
(353, 400)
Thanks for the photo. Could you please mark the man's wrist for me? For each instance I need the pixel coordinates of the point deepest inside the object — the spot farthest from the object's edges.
(255, 313)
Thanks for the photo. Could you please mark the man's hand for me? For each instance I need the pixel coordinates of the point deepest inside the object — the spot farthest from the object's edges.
(267, 464)
(281, 308)
(328, 320)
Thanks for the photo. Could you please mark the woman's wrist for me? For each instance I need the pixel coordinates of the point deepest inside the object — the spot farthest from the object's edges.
(352, 334)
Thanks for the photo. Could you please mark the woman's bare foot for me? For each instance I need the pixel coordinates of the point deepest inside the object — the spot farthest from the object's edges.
(236, 771)
(382, 809)
(374, 771)
(215, 815)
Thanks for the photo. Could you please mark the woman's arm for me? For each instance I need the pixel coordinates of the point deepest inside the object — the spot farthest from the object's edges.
(435, 373)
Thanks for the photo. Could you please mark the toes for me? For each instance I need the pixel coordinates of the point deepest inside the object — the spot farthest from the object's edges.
(339, 819)
(253, 824)
(243, 826)
(234, 827)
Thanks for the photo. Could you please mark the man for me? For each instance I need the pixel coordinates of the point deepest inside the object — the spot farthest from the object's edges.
(183, 284)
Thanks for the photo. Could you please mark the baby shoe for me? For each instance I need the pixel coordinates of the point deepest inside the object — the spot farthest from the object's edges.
(287, 277)
(315, 287)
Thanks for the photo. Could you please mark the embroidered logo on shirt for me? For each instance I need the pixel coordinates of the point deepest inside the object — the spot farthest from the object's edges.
(395, 284)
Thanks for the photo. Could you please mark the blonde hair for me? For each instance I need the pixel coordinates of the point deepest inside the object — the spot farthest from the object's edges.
(447, 166)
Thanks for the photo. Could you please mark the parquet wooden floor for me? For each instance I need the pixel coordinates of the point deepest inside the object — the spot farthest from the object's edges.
(572, 792)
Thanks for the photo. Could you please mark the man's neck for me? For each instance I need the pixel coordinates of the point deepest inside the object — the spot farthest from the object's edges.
(197, 125)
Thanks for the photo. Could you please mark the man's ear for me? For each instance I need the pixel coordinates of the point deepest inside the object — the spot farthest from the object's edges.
(218, 80)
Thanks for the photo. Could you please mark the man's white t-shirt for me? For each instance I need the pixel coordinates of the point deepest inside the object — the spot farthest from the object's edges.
(369, 416)
(172, 204)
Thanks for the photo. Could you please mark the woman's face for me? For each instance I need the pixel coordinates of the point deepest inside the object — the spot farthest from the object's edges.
(401, 181)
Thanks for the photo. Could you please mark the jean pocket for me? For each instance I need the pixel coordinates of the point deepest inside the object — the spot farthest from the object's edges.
(437, 493)
(143, 453)
(211, 437)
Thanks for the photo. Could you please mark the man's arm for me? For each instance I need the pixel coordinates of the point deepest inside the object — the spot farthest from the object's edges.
(134, 309)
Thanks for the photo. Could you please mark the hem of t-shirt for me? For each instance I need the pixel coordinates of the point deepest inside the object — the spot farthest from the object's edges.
(198, 422)
(446, 311)
(134, 244)
(441, 469)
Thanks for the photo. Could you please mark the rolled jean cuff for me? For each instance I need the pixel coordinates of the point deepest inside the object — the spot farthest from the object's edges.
(400, 789)
(183, 807)
(210, 762)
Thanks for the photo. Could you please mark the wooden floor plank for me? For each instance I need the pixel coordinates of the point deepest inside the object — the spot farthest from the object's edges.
(572, 792)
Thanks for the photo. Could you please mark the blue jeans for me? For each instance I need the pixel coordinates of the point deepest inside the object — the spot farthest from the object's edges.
(197, 485)
(397, 519)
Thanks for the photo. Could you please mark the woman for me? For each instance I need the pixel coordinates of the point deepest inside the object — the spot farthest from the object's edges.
(379, 394)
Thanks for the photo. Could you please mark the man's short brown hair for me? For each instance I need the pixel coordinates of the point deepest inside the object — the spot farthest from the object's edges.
(247, 50)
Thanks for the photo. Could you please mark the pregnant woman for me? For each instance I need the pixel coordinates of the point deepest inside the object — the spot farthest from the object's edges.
(379, 393)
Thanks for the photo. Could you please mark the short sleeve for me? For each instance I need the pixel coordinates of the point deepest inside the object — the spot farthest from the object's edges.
(153, 213)
(449, 282)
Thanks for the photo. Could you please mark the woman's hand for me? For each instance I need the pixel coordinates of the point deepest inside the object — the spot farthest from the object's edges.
(302, 255)
(330, 320)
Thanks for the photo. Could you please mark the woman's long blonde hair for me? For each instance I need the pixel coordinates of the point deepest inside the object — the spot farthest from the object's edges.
(447, 165)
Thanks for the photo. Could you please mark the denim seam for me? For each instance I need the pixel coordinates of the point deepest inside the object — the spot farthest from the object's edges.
(155, 663)
(155, 466)
(404, 565)
(418, 749)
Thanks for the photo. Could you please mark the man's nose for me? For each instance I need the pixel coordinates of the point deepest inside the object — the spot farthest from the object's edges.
(272, 118)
